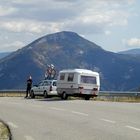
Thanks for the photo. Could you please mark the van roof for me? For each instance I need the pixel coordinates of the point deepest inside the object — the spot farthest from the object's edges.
(81, 71)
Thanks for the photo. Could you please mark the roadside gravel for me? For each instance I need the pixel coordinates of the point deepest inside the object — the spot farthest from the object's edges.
(4, 131)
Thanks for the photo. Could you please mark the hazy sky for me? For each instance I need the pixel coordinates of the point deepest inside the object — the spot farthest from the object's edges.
(112, 24)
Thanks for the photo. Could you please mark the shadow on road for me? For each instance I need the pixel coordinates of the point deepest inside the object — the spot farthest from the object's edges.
(53, 99)
(50, 99)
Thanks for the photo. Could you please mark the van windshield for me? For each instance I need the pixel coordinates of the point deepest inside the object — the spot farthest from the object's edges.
(88, 79)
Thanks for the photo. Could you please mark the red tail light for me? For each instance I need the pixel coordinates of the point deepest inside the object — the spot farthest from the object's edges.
(81, 89)
(95, 89)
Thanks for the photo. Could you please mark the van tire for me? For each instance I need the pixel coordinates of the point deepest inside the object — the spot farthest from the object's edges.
(87, 97)
(45, 94)
(64, 96)
(32, 95)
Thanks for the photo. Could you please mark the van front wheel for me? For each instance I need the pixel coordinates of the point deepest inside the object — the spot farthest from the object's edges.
(64, 96)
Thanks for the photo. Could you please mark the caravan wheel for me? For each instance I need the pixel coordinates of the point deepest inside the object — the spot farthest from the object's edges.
(64, 96)
(87, 97)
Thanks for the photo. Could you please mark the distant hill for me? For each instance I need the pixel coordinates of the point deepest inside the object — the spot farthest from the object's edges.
(68, 50)
(134, 52)
(4, 54)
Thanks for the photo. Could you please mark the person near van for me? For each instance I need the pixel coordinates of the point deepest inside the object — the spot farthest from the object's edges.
(29, 86)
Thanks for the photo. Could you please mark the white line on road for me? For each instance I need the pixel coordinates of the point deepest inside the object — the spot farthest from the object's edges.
(12, 124)
(106, 120)
(37, 106)
(80, 113)
(58, 109)
(131, 127)
(28, 138)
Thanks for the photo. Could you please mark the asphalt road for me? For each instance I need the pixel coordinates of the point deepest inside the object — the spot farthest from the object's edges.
(54, 119)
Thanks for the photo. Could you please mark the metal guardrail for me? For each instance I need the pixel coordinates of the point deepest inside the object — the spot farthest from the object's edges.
(18, 92)
(119, 93)
(13, 91)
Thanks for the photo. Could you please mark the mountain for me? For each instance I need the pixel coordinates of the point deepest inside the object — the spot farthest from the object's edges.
(4, 54)
(134, 52)
(68, 50)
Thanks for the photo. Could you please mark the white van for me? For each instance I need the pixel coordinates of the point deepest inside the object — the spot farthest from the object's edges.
(78, 82)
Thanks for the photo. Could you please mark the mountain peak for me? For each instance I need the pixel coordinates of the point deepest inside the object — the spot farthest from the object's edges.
(63, 38)
(63, 35)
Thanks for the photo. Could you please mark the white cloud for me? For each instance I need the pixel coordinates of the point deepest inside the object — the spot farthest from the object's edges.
(24, 1)
(12, 46)
(133, 42)
(107, 32)
(63, 14)
(38, 17)
(106, 17)
(7, 10)
(22, 26)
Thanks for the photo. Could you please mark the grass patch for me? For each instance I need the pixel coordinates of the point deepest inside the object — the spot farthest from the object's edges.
(12, 94)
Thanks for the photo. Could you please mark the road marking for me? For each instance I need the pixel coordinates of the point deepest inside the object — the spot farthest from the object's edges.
(106, 120)
(36, 105)
(131, 127)
(80, 113)
(28, 138)
(12, 124)
(58, 109)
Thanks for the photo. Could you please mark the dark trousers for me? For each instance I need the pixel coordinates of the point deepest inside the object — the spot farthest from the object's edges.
(28, 90)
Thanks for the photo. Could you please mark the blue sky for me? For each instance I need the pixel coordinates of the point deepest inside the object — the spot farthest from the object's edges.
(111, 24)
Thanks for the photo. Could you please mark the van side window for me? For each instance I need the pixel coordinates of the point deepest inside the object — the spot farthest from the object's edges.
(70, 77)
(62, 76)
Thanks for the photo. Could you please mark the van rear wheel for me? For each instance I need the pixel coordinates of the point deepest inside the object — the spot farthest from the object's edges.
(64, 96)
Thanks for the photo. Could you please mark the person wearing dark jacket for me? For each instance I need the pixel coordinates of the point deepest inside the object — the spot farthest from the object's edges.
(29, 86)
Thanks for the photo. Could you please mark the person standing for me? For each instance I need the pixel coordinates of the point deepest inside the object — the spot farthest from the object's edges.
(29, 86)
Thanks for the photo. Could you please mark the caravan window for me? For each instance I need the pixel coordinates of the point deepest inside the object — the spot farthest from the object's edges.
(62, 76)
(70, 77)
(88, 79)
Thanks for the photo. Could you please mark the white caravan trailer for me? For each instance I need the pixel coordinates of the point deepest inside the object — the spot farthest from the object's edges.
(78, 82)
